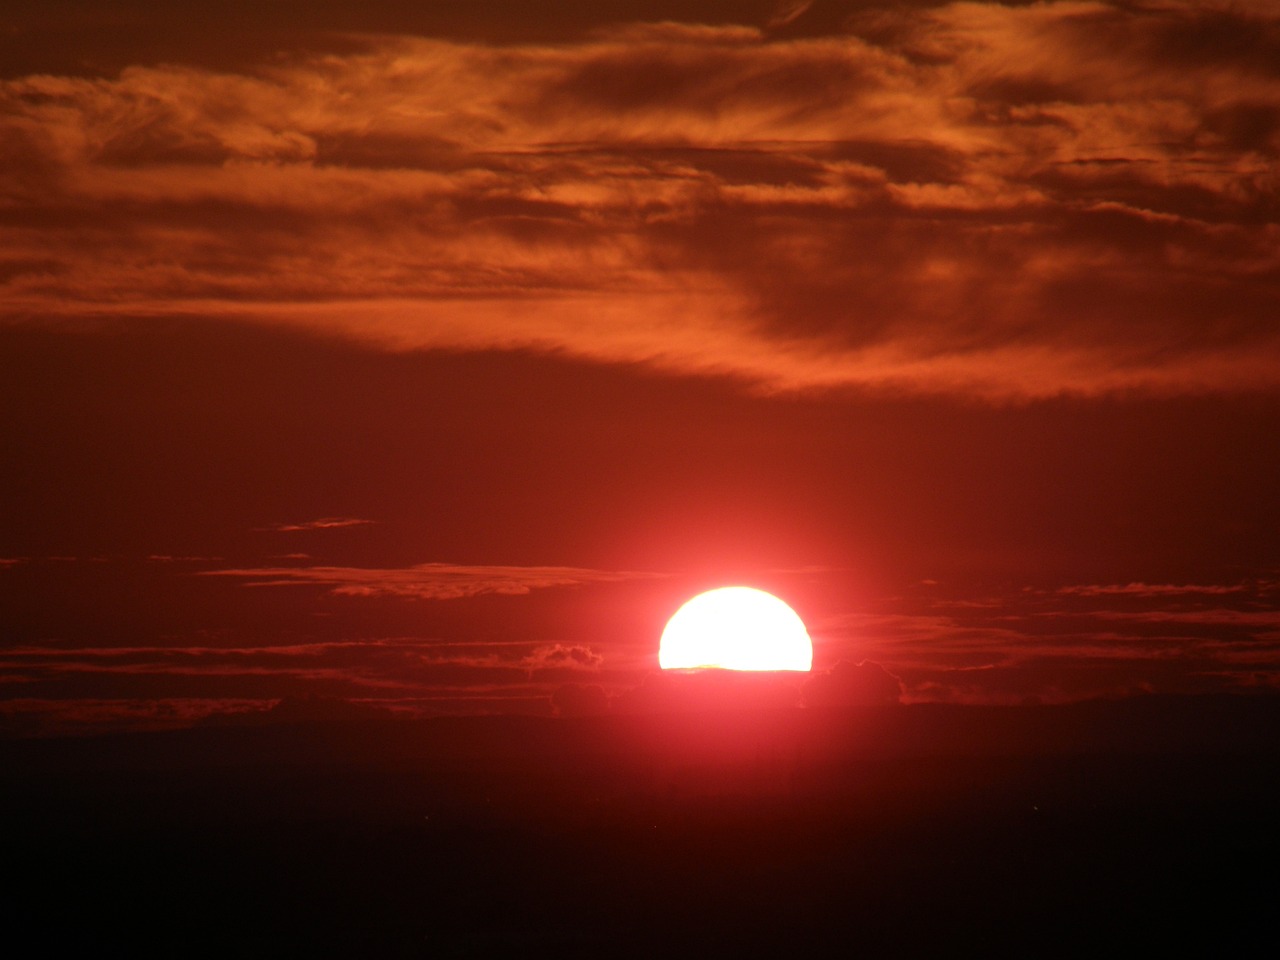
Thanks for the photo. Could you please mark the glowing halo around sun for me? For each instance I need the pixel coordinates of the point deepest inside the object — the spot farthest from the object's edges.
(735, 628)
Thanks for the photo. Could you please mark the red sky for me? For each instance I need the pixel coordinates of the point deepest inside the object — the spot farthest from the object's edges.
(431, 355)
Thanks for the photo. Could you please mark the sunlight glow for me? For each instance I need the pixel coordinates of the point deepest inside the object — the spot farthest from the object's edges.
(735, 628)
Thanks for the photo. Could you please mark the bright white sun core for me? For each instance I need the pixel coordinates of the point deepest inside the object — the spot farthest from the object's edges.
(735, 628)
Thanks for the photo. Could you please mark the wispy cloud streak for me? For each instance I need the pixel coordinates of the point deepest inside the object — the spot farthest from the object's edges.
(324, 523)
(428, 581)
(1069, 643)
(43, 687)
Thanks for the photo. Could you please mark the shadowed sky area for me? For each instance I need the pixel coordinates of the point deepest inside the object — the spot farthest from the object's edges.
(432, 355)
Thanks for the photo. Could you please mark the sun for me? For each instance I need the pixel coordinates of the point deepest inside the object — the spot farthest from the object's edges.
(735, 628)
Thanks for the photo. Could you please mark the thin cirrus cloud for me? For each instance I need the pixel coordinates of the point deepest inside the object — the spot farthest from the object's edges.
(1008, 201)
(1070, 643)
(428, 581)
(1149, 589)
(49, 688)
(408, 661)
(323, 523)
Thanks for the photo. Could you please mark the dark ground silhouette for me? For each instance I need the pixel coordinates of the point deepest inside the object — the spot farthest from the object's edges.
(905, 831)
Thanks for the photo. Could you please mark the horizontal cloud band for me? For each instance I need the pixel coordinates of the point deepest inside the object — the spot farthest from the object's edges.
(429, 581)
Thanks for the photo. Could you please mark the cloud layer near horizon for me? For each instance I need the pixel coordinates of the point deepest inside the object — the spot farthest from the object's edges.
(429, 581)
(1051, 645)
(1012, 202)
(1074, 642)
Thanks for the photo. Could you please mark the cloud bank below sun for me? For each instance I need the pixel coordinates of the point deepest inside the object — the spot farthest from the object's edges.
(1009, 201)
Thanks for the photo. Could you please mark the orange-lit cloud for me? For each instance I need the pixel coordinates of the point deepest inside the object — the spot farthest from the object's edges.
(1008, 201)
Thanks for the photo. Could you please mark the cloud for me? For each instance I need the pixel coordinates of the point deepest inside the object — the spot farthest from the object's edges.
(699, 691)
(31, 717)
(1214, 617)
(574, 657)
(428, 581)
(852, 684)
(1010, 201)
(50, 687)
(788, 12)
(304, 709)
(1068, 643)
(324, 523)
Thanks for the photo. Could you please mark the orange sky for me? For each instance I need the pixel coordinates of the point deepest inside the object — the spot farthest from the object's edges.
(432, 356)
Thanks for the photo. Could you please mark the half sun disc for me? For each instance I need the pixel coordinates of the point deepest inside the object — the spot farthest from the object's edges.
(735, 628)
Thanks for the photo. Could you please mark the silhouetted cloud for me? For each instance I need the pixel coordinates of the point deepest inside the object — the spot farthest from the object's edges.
(1067, 643)
(304, 709)
(428, 581)
(1149, 589)
(711, 689)
(407, 675)
(35, 716)
(848, 684)
(575, 656)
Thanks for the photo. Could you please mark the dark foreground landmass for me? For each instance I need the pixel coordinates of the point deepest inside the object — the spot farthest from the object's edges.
(1149, 824)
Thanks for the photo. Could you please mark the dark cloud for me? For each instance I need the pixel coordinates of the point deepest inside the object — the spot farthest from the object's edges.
(1150, 589)
(1068, 643)
(575, 657)
(33, 717)
(304, 709)
(50, 685)
(848, 684)
(428, 581)
(699, 691)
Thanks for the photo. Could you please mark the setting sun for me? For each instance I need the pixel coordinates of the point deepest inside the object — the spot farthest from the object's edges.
(735, 628)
